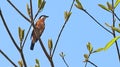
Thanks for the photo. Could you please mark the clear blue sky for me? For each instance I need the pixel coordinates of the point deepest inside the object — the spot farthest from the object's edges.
(79, 30)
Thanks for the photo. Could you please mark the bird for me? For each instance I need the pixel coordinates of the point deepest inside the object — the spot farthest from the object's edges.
(37, 32)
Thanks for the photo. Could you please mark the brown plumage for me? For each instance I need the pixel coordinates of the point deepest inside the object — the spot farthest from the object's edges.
(37, 32)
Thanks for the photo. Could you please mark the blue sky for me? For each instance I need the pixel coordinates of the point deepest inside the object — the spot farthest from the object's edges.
(79, 30)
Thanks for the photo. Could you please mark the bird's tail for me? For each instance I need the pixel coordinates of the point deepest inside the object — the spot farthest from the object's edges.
(32, 46)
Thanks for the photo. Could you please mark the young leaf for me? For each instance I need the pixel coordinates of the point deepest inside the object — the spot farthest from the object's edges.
(43, 4)
(116, 29)
(98, 50)
(50, 44)
(37, 63)
(20, 63)
(21, 33)
(79, 5)
(113, 28)
(109, 6)
(86, 56)
(28, 9)
(103, 7)
(110, 43)
(39, 3)
(119, 25)
(107, 25)
(89, 47)
(67, 15)
(116, 3)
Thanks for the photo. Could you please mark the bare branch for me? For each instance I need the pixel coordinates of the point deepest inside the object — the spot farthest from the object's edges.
(97, 21)
(26, 36)
(92, 63)
(15, 44)
(23, 59)
(63, 58)
(61, 31)
(8, 58)
(18, 10)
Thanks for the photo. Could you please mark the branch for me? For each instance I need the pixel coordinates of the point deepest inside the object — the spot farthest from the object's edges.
(117, 16)
(92, 63)
(18, 10)
(97, 21)
(15, 44)
(114, 34)
(65, 62)
(61, 30)
(22, 56)
(8, 58)
(26, 36)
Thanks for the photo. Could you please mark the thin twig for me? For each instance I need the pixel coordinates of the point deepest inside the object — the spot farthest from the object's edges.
(65, 61)
(92, 63)
(114, 34)
(15, 44)
(18, 10)
(8, 58)
(23, 58)
(97, 21)
(26, 36)
(117, 16)
(61, 31)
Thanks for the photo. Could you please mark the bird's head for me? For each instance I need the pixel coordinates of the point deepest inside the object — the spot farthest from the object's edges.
(43, 17)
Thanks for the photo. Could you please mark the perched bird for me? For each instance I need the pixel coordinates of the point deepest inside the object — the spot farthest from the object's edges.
(37, 32)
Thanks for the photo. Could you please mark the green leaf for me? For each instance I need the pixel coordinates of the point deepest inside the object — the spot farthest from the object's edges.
(37, 63)
(89, 47)
(110, 43)
(119, 25)
(109, 6)
(67, 15)
(43, 4)
(116, 29)
(79, 5)
(98, 50)
(21, 34)
(113, 28)
(28, 9)
(86, 56)
(103, 7)
(20, 63)
(116, 3)
(107, 24)
(39, 3)
(50, 44)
